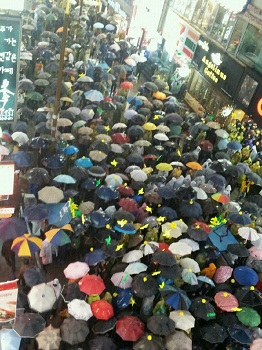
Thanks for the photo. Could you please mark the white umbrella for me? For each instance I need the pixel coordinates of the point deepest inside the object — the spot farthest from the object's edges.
(171, 229)
(222, 133)
(41, 297)
(149, 247)
(119, 126)
(135, 268)
(122, 280)
(138, 175)
(9, 339)
(183, 319)
(79, 309)
(4, 151)
(76, 270)
(113, 180)
(116, 148)
(49, 338)
(138, 58)
(132, 256)
(130, 62)
(193, 244)
(180, 248)
(20, 137)
(85, 79)
(258, 242)
(189, 277)
(200, 194)
(161, 137)
(248, 233)
(183, 227)
(188, 263)
(98, 25)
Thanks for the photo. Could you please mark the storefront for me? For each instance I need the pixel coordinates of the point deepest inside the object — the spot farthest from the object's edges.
(215, 77)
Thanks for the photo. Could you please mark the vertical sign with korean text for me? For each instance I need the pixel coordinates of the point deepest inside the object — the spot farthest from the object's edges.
(10, 31)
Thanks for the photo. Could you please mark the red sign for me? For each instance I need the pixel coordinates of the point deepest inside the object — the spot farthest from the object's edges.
(259, 107)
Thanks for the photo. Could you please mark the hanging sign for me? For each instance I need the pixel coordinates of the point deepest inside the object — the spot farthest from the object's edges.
(10, 29)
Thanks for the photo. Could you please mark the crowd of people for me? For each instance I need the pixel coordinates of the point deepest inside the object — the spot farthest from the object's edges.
(150, 213)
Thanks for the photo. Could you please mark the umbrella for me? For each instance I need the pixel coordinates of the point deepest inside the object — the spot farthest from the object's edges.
(122, 280)
(84, 162)
(226, 301)
(248, 233)
(180, 248)
(102, 310)
(256, 344)
(255, 252)
(248, 296)
(35, 96)
(144, 285)
(188, 263)
(170, 229)
(223, 273)
(49, 338)
(175, 297)
(9, 339)
(135, 268)
(240, 333)
(94, 96)
(79, 309)
(203, 309)
(91, 284)
(50, 194)
(74, 331)
(36, 212)
(161, 325)
(220, 198)
(26, 245)
(11, 228)
(56, 161)
(130, 328)
(101, 343)
(213, 333)
(76, 270)
(240, 218)
(249, 317)
(70, 150)
(190, 209)
(41, 298)
(64, 178)
(164, 258)
(57, 236)
(234, 145)
(151, 86)
(189, 277)
(245, 276)
(29, 325)
(254, 178)
(138, 175)
(183, 319)
(102, 327)
(179, 341)
(21, 159)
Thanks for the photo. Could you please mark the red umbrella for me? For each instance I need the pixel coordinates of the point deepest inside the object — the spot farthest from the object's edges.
(128, 204)
(91, 284)
(223, 273)
(127, 85)
(226, 301)
(102, 310)
(125, 190)
(220, 197)
(202, 225)
(206, 145)
(120, 138)
(130, 328)
(164, 247)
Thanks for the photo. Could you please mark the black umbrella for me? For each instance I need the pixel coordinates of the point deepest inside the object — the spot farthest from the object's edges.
(115, 249)
(100, 146)
(214, 333)
(238, 249)
(77, 172)
(29, 325)
(102, 327)
(56, 161)
(20, 126)
(89, 184)
(138, 119)
(38, 176)
(135, 158)
(144, 285)
(101, 343)
(38, 143)
(148, 341)
(151, 86)
(161, 325)
(203, 309)
(170, 272)
(166, 192)
(190, 209)
(96, 171)
(71, 291)
(251, 208)
(248, 296)
(225, 319)
(135, 131)
(188, 157)
(164, 258)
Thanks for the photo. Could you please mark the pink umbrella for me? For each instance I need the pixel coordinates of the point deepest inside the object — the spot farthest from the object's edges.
(76, 270)
(226, 301)
(223, 273)
(255, 252)
(257, 344)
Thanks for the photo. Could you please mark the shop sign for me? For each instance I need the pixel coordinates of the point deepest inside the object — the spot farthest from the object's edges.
(10, 29)
(212, 70)
(259, 107)
(204, 45)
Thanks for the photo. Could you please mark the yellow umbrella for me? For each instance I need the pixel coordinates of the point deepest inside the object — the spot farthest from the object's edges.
(26, 245)
(57, 235)
(159, 95)
(149, 126)
(164, 167)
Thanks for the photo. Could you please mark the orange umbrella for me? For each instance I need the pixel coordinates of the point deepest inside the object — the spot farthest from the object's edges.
(26, 245)
(159, 95)
(60, 30)
(194, 165)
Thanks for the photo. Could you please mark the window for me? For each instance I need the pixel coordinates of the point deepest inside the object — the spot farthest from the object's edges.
(198, 12)
(207, 14)
(250, 50)
(212, 18)
(229, 29)
(236, 35)
(247, 90)
(220, 24)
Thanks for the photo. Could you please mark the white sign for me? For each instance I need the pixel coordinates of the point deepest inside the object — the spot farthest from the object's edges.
(17, 5)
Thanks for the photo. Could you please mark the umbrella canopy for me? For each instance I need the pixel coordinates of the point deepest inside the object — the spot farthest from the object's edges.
(130, 328)
(9, 339)
(76, 270)
(161, 325)
(10, 228)
(179, 341)
(74, 331)
(122, 280)
(245, 276)
(26, 245)
(91, 284)
(213, 333)
(79, 309)
(41, 297)
(144, 285)
(102, 310)
(49, 338)
(57, 236)
(183, 319)
(29, 325)
(226, 301)
(249, 317)
(50, 194)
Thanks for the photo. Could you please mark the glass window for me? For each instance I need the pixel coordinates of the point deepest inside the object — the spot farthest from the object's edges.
(207, 14)
(247, 90)
(220, 24)
(191, 5)
(198, 12)
(250, 50)
(229, 29)
(180, 6)
(212, 18)
(236, 35)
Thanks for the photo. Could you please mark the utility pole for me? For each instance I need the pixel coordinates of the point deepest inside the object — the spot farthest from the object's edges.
(81, 7)
(59, 77)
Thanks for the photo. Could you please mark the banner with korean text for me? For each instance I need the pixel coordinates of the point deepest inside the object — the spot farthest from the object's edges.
(10, 37)
(8, 300)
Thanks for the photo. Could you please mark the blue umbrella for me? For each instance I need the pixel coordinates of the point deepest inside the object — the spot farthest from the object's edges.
(222, 144)
(65, 179)
(122, 299)
(217, 180)
(168, 212)
(36, 212)
(128, 229)
(56, 161)
(106, 193)
(240, 218)
(21, 159)
(94, 95)
(190, 209)
(245, 276)
(88, 184)
(99, 219)
(59, 214)
(38, 143)
(9, 339)
(70, 150)
(135, 101)
(207, 280)
(166, 192)
(176, 298)
(84, 162)
(94, 257)
(240, 333)
(234, 145)
(11, 228)
(20, 126)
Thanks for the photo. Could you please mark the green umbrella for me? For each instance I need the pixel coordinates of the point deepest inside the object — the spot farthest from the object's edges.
(249, 317)
(35, 96)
